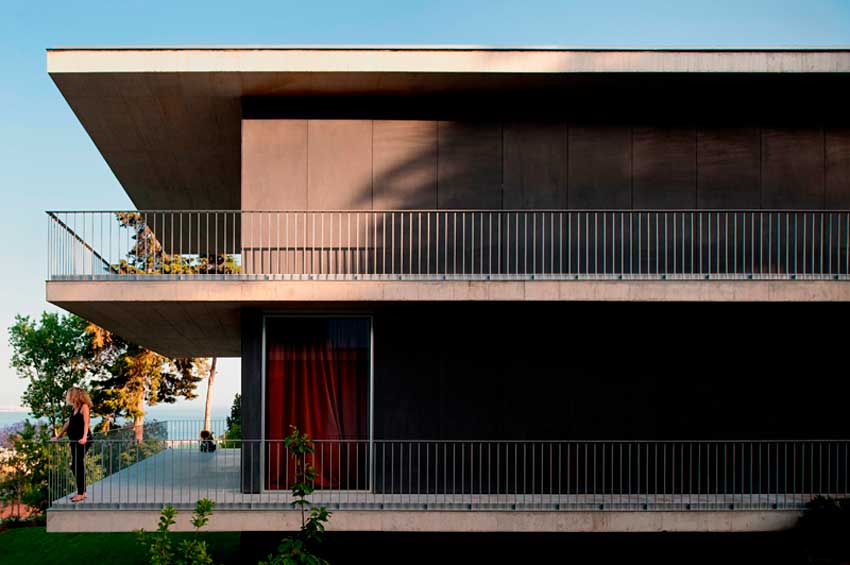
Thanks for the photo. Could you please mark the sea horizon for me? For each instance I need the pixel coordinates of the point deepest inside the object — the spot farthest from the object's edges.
(9, 417)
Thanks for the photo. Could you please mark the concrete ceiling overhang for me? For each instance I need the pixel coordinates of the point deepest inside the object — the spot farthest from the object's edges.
(168, 120)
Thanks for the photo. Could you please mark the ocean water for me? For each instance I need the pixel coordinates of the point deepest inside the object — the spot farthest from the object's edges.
(160, 413)
(8, 418)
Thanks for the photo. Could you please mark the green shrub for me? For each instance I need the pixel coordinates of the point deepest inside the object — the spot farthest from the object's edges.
(298, 549)
(26, 481)
(823, 529)
(191, 551)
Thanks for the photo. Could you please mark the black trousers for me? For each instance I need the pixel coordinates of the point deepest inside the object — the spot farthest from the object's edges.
(78, 465)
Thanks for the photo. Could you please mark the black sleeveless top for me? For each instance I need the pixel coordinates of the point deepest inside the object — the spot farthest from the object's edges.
(76, 425)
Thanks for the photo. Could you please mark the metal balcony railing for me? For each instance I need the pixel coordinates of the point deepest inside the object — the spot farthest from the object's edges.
(451, 244)
(687, 475)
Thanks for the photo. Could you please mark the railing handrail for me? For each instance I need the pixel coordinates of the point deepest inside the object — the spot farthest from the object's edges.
(478, 244)
(517, 441)
(481, 475)
(456, 210)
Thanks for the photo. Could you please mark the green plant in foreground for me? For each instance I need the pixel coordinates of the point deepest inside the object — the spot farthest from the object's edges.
(297, 549)
(822, 530)
(189, 551)
(25, 479)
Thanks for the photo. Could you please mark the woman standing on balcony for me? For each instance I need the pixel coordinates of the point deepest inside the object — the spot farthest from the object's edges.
(79, 433)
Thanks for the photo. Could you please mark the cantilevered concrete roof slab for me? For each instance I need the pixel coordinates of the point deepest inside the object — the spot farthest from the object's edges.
(195, 318)
(168, 120)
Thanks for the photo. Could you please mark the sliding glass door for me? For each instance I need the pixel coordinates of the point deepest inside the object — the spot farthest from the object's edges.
(317, 379)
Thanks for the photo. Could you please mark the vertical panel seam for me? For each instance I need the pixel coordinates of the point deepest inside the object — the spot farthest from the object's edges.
(632, 167)
(307, 191)
(502, 163)
(696, 167)
(566, 170)
(437, 165)
(823, 185)
(761, 167)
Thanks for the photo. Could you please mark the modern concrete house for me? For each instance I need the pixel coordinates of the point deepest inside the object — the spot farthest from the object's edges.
(506, 290)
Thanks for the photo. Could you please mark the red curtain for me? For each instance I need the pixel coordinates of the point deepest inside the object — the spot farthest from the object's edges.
(317, 379)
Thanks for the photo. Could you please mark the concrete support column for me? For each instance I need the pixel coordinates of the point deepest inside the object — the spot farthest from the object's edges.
(252, 398)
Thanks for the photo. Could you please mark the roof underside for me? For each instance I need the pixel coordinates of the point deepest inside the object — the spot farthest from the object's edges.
(168, 120)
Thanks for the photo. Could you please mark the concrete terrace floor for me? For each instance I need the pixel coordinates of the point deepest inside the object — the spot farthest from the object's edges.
(182, 476)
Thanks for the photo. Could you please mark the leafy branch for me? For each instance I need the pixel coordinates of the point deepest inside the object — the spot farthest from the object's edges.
(192, 551)
(297, 549)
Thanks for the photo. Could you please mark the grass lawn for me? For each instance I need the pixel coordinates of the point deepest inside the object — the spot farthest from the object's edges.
(35, 546)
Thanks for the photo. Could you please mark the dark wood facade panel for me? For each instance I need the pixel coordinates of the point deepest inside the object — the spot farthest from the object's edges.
(339, 169)
(469, 166)
(728, 168)
(793, 167)
(664, 168)
(535, 165)
(498, 373)
(274, 164)
(838, 168)
(420, 164)
(405, 164)
(599, 167)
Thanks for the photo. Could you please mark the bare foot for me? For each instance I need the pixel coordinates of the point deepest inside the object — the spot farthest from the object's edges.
(78, 497)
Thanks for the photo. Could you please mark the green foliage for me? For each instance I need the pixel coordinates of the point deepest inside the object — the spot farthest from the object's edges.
(234, 421)
(53, 354)
(134, 376)
(26, 479)
(234, 424)
(823, 529)
(192, 551)
(149, 257)
(298, 549)
(59, 352)
(14, 522)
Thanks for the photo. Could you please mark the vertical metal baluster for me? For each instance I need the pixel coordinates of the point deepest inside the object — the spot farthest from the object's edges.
(446, 244)
(551, 243)
(428, 246)
(595, 243)
(524, 252)
(454, 243)
(463, 243)
(570, 242)
(419, 244)
(821, 242)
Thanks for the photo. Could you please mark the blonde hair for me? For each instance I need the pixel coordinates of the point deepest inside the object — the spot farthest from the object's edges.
(77, 397)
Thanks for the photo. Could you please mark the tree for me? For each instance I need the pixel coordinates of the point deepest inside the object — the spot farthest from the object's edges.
(134, 376)
(149, 257)
(26, 481)
(208, 404)
(234, 421)
(54, 355)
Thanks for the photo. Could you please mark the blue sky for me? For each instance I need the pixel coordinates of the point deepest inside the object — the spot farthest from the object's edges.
(48, 162)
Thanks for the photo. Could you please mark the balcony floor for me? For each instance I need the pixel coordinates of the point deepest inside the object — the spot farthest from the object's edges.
(182, 476)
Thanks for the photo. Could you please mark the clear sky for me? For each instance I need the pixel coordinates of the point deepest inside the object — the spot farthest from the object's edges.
(48, 162)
